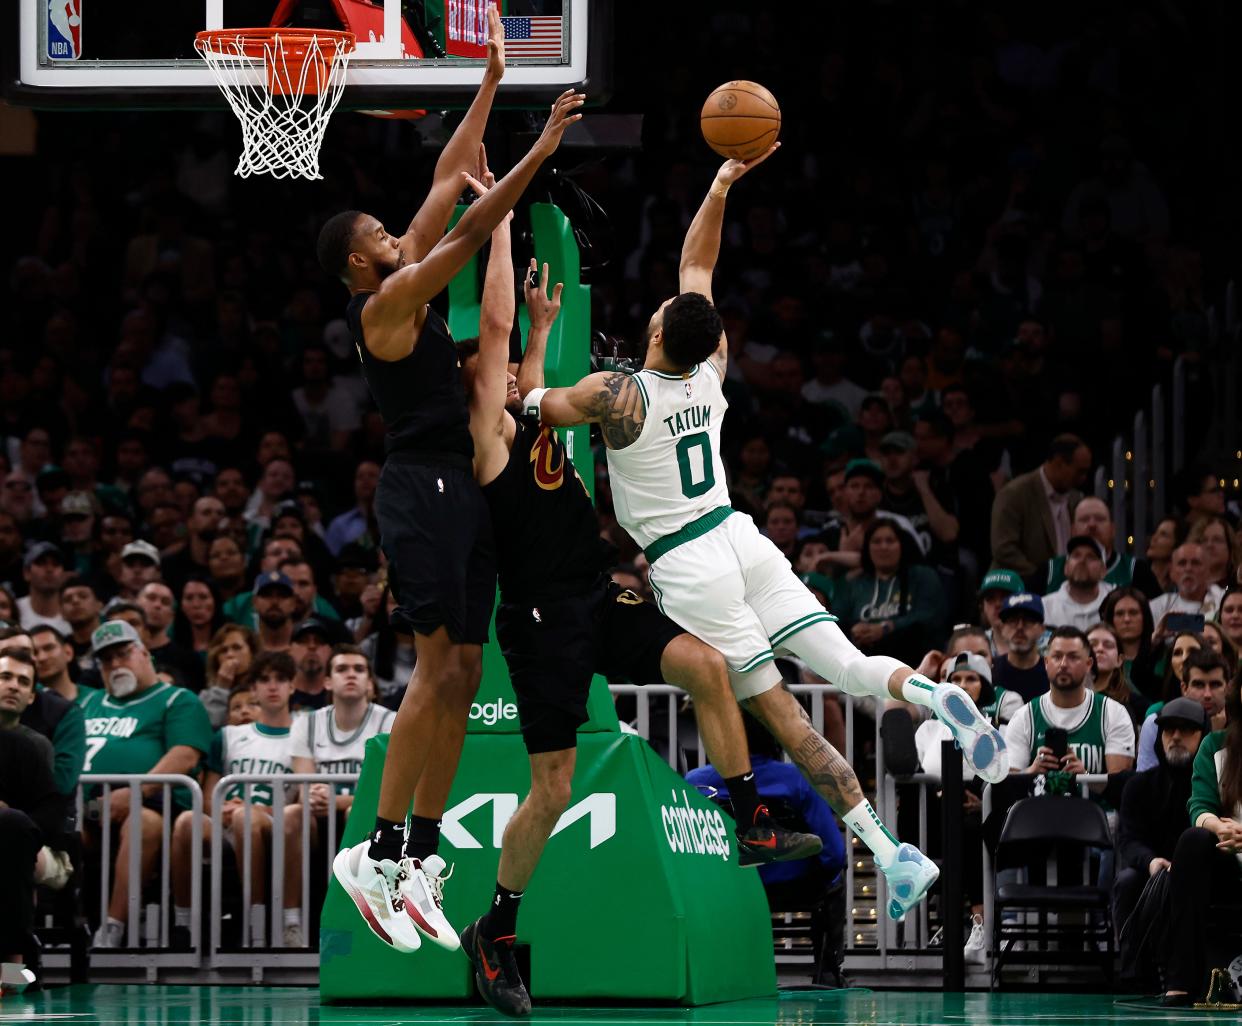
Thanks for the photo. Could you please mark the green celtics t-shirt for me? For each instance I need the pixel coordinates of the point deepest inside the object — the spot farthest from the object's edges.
(130, 735)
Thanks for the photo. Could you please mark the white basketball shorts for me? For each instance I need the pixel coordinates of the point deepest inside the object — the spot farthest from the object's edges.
(732, 588)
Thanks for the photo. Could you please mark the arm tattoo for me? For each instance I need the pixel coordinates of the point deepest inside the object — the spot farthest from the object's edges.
(618, 408)
(828, 772)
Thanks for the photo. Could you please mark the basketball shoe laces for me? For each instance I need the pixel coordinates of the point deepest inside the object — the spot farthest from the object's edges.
(394, 886)
(436, 883)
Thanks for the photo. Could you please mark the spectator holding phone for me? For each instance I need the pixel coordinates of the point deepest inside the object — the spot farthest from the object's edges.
(1195, 596)
(1072, 728)
(1204, 678)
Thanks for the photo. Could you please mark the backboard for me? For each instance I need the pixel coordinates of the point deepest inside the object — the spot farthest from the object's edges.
(139, 54)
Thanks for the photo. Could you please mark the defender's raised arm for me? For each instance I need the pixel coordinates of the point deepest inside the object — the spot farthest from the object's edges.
(428, 225)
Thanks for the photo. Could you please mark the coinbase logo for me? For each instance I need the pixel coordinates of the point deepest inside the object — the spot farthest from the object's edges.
(493, 712)
(694, 831)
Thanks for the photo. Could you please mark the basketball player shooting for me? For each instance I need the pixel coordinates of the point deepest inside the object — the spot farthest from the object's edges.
(433, 520)
(562, 619)
(716, 575)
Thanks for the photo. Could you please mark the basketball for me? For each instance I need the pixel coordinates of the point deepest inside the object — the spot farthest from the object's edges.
(740, 120)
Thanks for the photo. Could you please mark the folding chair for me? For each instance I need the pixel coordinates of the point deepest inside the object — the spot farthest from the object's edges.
(1050, 836)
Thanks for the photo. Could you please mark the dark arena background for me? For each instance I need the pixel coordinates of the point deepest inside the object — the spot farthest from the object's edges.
(982, 323)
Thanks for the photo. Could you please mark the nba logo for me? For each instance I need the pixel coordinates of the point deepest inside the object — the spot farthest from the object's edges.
(64, 30)
(689, 391)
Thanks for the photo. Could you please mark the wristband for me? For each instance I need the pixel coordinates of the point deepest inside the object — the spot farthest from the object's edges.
(530, 405)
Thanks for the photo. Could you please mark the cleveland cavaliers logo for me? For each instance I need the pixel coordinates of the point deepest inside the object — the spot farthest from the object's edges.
(548, 461)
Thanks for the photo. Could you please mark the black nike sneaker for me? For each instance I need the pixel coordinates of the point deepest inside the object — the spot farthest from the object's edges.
(495, 971)
(768, 841)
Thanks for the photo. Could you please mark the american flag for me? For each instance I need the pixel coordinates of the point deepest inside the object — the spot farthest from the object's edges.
(533, 37)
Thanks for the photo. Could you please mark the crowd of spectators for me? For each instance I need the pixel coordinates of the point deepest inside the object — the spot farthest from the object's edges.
(942, 298)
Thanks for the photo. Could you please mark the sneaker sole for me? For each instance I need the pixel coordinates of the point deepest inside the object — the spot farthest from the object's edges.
(898, 908)
(480, 980)
(747, 857)
(340, 869)
(982, 743)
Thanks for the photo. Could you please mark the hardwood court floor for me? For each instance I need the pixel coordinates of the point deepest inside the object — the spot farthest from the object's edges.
(133, 1005)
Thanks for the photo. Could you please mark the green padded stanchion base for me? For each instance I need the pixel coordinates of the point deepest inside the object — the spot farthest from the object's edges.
(638, 896)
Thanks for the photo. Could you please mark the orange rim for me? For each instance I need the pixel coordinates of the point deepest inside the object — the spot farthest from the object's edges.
(254, 41)
(306, 55)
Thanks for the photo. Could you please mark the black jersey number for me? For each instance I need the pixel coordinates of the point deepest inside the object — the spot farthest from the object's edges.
(691, 488)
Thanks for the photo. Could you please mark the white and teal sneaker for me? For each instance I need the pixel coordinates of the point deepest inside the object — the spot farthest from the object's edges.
(909, 878)
(980, 742)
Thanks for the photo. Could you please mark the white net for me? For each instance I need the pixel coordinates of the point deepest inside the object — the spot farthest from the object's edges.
(283, 91)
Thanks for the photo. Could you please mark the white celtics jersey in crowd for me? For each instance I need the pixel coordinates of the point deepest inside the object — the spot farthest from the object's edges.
(316, 736)
(252, 748)
(673, 474)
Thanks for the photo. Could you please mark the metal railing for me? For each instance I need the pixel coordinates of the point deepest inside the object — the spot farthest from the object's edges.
(153, 929)
(1134, 478)
(903, 947)
(280, 785)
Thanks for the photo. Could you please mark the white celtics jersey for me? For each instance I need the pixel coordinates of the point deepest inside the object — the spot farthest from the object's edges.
(253, 748)
(316, 736)
(673, 474)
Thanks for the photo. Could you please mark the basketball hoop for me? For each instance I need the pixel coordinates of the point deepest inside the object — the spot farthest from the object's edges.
(283, 84)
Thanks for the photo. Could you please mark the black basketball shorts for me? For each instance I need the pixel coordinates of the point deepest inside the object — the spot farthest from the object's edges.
(436, 531)
(555, 647)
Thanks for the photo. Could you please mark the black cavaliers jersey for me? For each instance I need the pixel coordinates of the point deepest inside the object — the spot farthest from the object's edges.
(419, 396)
(547, 537)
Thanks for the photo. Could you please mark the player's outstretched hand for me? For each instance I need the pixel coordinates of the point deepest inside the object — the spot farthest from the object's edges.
(731, 170)
(564, 114)
(495, 44)
(542, 308)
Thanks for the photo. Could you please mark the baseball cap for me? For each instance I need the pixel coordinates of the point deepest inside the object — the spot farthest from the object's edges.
(974, 662)
(1023, 602)
(977, 664)
(900, 441)
(40, 549)
(331, 631)
(357, 557)
(1084, 539)
(272, 579)
(844, 441)
(113, 632)
(864, 468)
(289, 508)
(1184, 710)
(141, 550)
(52, 476)
(1002, 580)
(77, 504)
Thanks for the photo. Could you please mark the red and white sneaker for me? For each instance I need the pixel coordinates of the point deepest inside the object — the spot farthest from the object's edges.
(375, 888)
(422, 891)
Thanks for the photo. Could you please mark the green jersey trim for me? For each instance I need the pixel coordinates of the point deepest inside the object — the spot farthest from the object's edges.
(756, 662)
(672, 377)
(790, 629)
(267, 731)
(695, 529)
